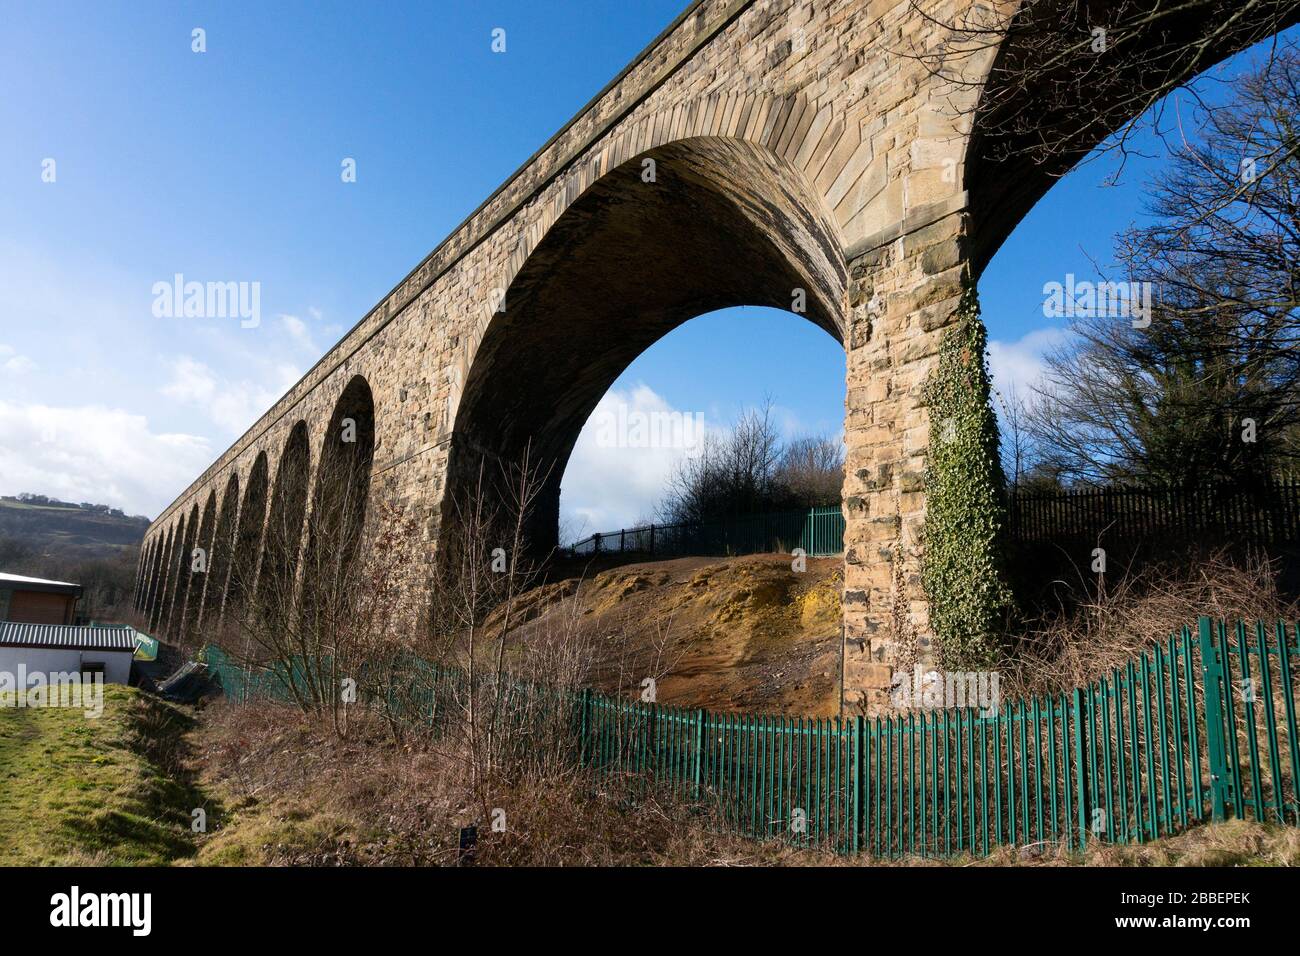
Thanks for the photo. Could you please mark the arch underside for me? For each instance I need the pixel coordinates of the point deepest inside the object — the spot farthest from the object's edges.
(198, 579)
(339, 502)
(1008, 166)
(724, 223)
(223, 538)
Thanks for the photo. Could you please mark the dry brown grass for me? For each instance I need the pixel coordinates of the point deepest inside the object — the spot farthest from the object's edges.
(300, 796)
(1130, 610)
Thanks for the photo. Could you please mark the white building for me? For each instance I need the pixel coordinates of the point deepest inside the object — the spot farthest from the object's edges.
(59, 649)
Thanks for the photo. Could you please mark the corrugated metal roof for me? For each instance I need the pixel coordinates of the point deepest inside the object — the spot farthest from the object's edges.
(65, 636)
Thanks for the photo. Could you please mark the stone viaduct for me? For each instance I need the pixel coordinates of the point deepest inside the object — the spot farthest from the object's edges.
(753, 149)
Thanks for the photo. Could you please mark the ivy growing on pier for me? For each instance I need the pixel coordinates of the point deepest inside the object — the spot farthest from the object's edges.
(963, 569)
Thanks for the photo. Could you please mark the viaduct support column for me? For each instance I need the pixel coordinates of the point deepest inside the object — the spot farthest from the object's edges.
(905, 289)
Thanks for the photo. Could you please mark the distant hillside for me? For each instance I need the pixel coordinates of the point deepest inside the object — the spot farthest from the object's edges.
(66, 531)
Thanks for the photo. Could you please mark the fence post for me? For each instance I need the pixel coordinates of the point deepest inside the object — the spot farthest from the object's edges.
(857, 783)
(1212, 689)
(582, 736)
(652, 538)
(1081, 765)
(699, 750)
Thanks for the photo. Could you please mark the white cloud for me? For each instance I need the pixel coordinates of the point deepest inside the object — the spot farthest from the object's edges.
(788, 422)
(298, 332)
(14, 363)
(1018, 366)
(231, 405)
(94, 453)
(606, 488)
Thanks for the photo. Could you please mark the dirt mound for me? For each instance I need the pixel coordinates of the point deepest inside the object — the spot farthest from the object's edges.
(729, 634)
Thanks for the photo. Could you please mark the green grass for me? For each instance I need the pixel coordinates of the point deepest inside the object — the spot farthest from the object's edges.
(105, 791)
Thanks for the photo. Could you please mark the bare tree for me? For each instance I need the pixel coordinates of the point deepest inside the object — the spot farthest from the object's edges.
(1016, 445)
(428, 640)
(337, 592)
(1207, 387)
(749, 470)
(485, 563)
(810, 470)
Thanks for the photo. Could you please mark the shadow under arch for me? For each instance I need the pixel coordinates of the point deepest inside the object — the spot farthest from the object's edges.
(198, 580)
(173, 625)
(220, 560)
(248, 539)
(282, 540)
(158, 593)
(146, 577)
(724, 222)
(146, 597)
(151, 579)
(340, 497)
(142, 574)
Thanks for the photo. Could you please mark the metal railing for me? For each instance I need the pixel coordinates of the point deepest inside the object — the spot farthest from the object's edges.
(818, 531)
(1267, 514)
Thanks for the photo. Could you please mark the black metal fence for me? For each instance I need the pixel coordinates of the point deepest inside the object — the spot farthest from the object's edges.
(1264, 514)
(818, 531)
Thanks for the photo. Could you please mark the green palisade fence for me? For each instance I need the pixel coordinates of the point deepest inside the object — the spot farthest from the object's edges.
(1200, 727)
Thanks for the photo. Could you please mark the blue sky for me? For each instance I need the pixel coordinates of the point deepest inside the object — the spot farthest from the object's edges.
(225, 165)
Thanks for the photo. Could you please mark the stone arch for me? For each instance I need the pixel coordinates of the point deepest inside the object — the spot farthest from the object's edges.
(725, 222)
(282, 539)
(197, 581)
(242, 577)
(819, 153)
(340, 498)
(184, 575)
(219, 560)
(143, 575)
(176, 564)
(158, 588)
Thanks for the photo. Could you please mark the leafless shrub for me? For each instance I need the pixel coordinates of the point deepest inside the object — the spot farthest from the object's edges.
(749, 469)
(1120, 616)
(336, 592)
